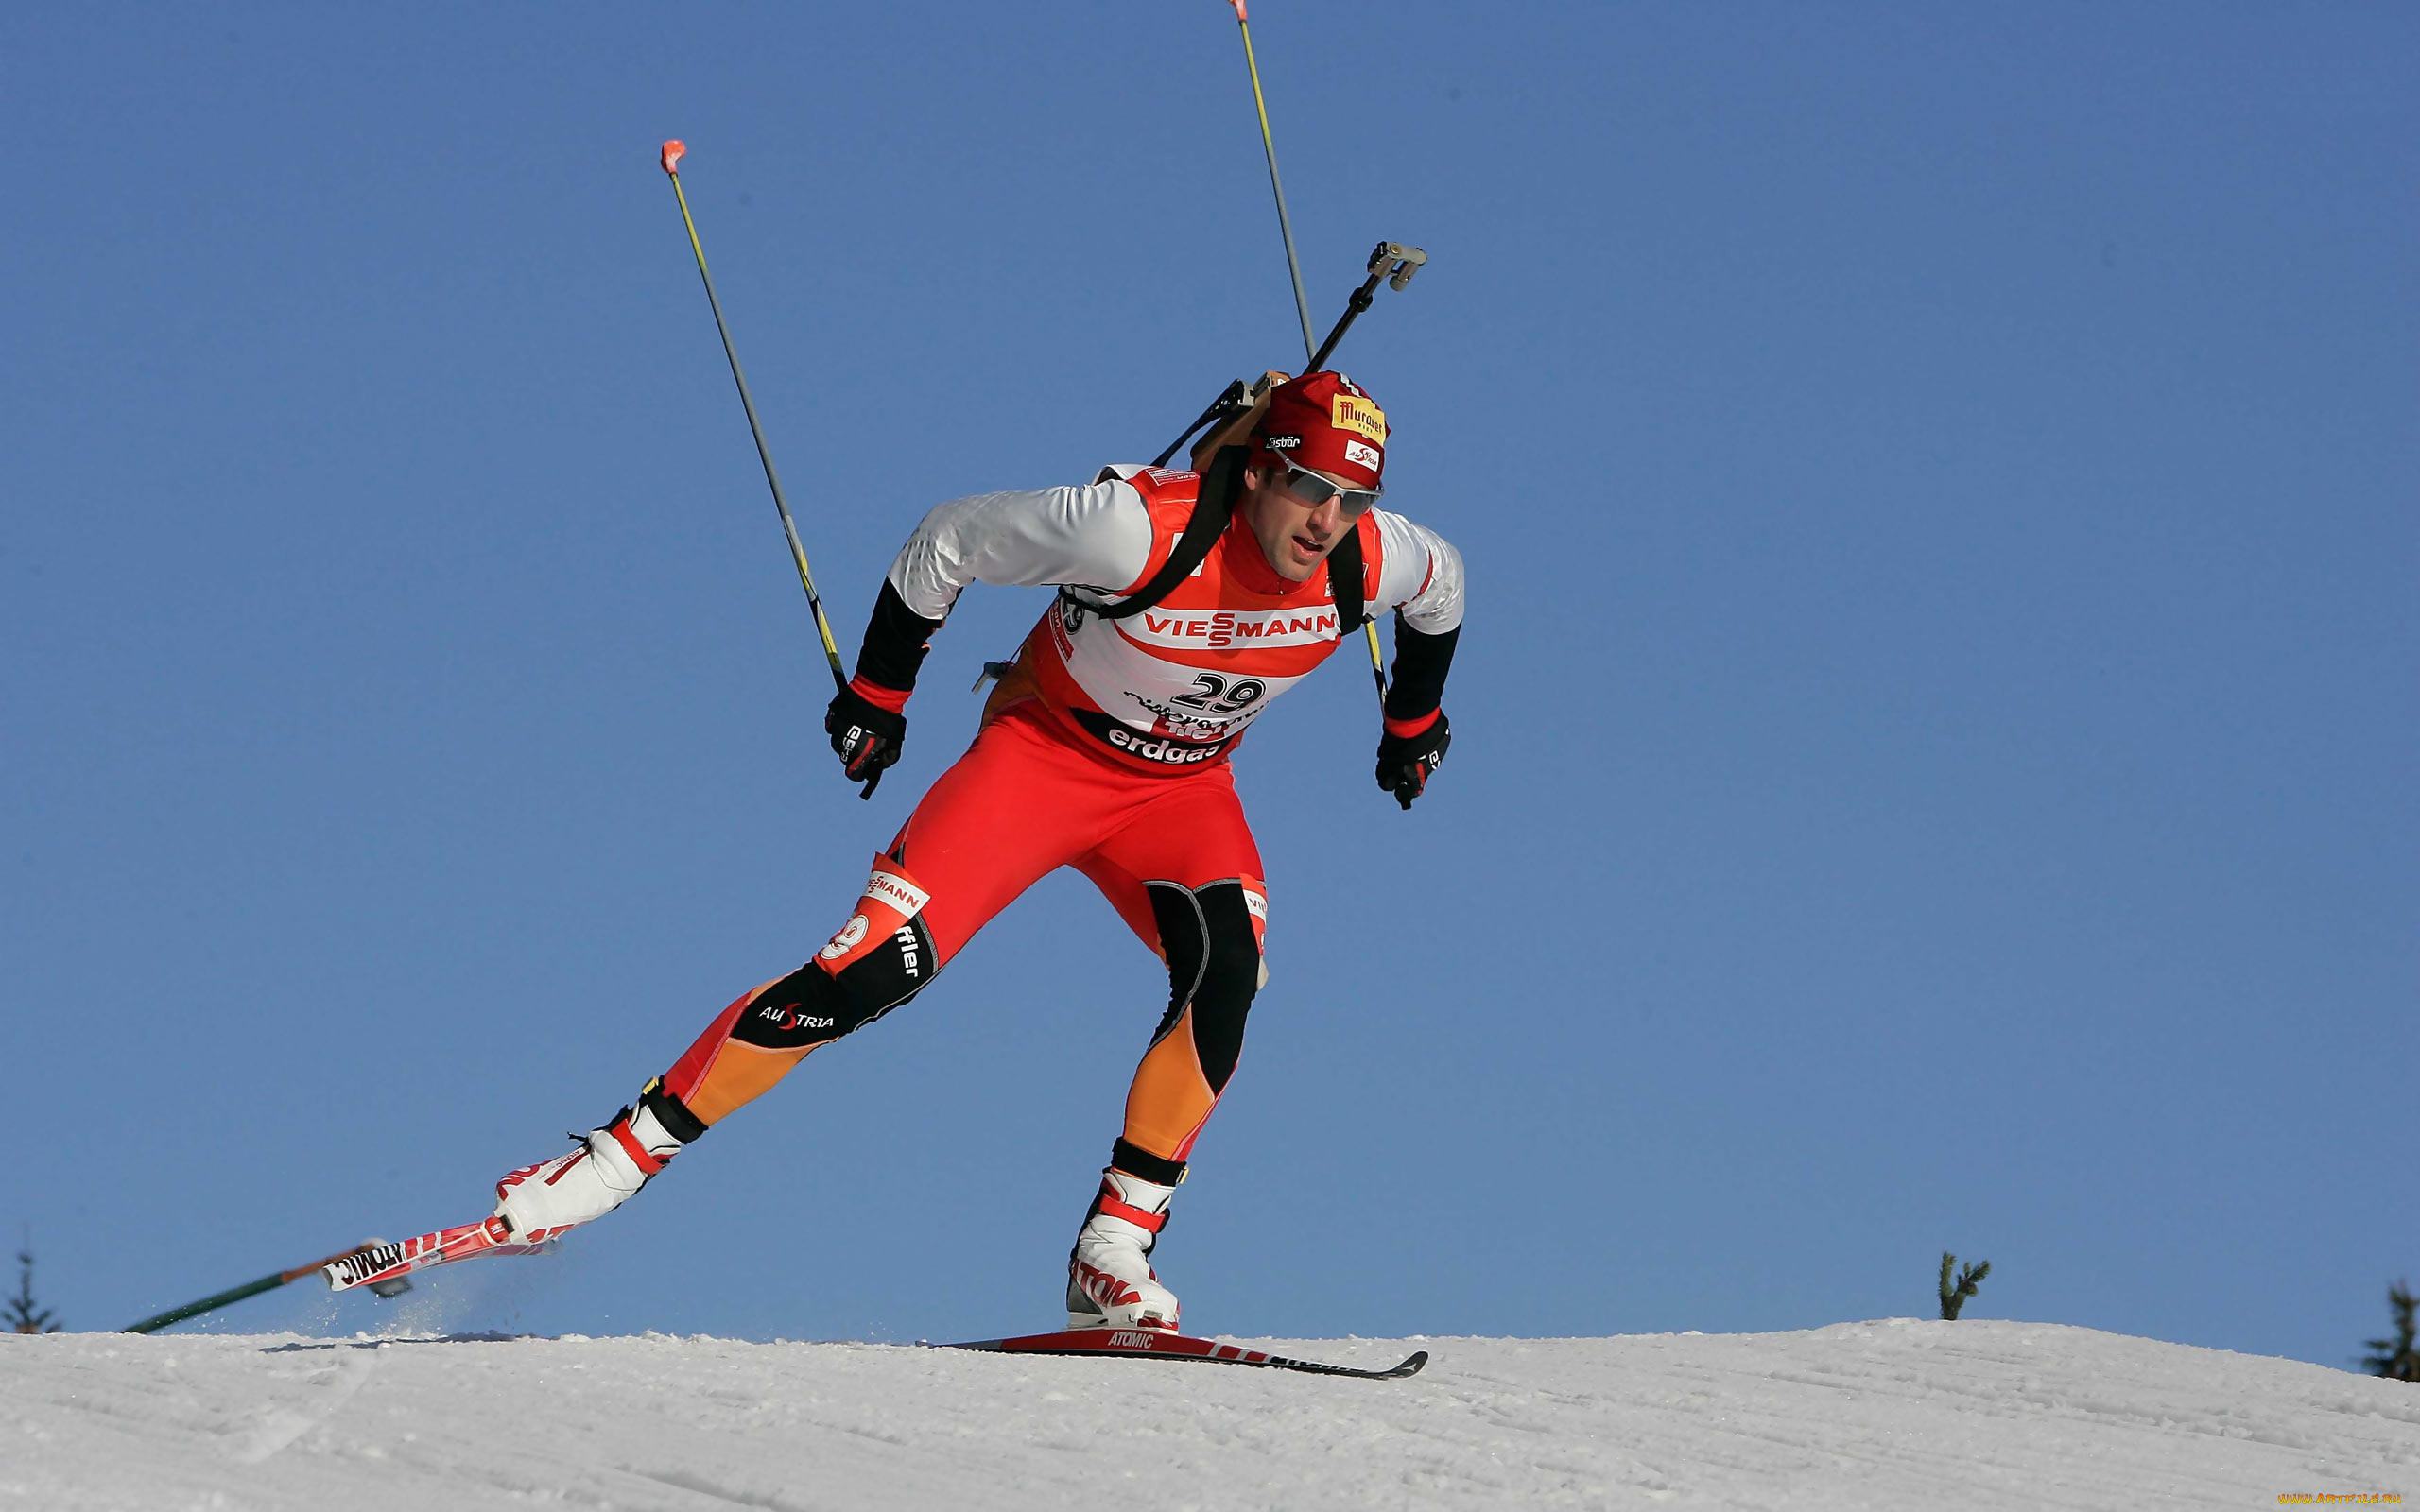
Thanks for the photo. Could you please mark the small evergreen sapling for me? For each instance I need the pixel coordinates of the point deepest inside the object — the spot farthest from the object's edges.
(22, 1315)
(2395, 1358)
(1954, 1298)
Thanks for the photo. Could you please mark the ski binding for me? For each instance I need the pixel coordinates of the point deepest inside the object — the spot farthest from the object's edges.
(379, 1266)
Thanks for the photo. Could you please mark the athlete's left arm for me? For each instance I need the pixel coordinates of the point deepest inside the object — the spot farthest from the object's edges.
(1420, 575)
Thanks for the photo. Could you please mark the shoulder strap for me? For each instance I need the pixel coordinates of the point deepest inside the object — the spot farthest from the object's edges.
(1344, 576)
(1212, 509)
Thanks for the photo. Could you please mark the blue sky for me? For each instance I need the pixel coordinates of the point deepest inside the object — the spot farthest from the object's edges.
(1934, 740)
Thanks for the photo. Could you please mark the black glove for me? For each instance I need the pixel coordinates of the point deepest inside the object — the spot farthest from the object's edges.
(1405, 761)
(865, 735)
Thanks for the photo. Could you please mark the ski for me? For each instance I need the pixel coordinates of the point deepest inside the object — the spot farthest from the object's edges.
(386, 1263)
(1153, 1345)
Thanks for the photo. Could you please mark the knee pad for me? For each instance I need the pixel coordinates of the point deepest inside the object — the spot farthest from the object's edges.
(1211, 938)
(881, 957)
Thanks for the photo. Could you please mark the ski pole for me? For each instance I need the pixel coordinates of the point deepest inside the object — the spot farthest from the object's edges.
(267, 1283)
(1302, 302)
(670, 159)
(1269, 147)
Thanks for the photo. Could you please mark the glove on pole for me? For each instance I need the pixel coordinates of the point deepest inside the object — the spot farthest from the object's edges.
(865, 735)
(1406, 761)
(670, 159)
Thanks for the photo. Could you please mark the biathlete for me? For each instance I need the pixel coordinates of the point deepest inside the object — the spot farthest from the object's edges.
(1105, 747)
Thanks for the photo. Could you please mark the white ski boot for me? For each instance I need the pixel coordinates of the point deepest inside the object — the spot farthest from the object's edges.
(1110, 1280)
(540, 1201)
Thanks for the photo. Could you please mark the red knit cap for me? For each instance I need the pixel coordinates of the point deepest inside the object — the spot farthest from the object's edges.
(1323, 422)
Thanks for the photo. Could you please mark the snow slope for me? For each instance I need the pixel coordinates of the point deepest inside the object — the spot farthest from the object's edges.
(1896, 1414)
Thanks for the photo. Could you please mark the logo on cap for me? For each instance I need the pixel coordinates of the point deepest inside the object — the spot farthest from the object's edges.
(1366, 456)
(1352, 412)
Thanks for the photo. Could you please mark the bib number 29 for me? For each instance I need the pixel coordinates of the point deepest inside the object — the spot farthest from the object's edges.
(1220, 697)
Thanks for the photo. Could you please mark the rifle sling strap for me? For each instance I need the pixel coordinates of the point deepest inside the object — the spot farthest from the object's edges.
(1221, 484)
(1215, 505)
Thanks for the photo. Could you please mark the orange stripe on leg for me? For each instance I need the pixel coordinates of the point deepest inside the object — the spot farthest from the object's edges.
(741, 1073)
(1170, 1097)
(697, 1063)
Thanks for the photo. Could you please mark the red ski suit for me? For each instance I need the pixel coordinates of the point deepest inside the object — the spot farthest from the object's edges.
(1105, 748)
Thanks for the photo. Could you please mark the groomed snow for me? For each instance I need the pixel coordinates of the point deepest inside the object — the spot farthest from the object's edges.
(1898, 1414)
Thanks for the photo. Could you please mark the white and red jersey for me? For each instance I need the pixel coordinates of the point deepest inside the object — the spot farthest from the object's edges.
(1176, 685)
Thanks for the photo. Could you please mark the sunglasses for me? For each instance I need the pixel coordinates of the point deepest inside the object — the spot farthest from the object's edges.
(1314, 490)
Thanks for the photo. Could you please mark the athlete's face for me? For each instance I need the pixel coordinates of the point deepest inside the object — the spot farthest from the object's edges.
(1294, 536)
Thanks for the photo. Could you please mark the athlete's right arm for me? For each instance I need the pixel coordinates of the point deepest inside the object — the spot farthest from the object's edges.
(1097, 535)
